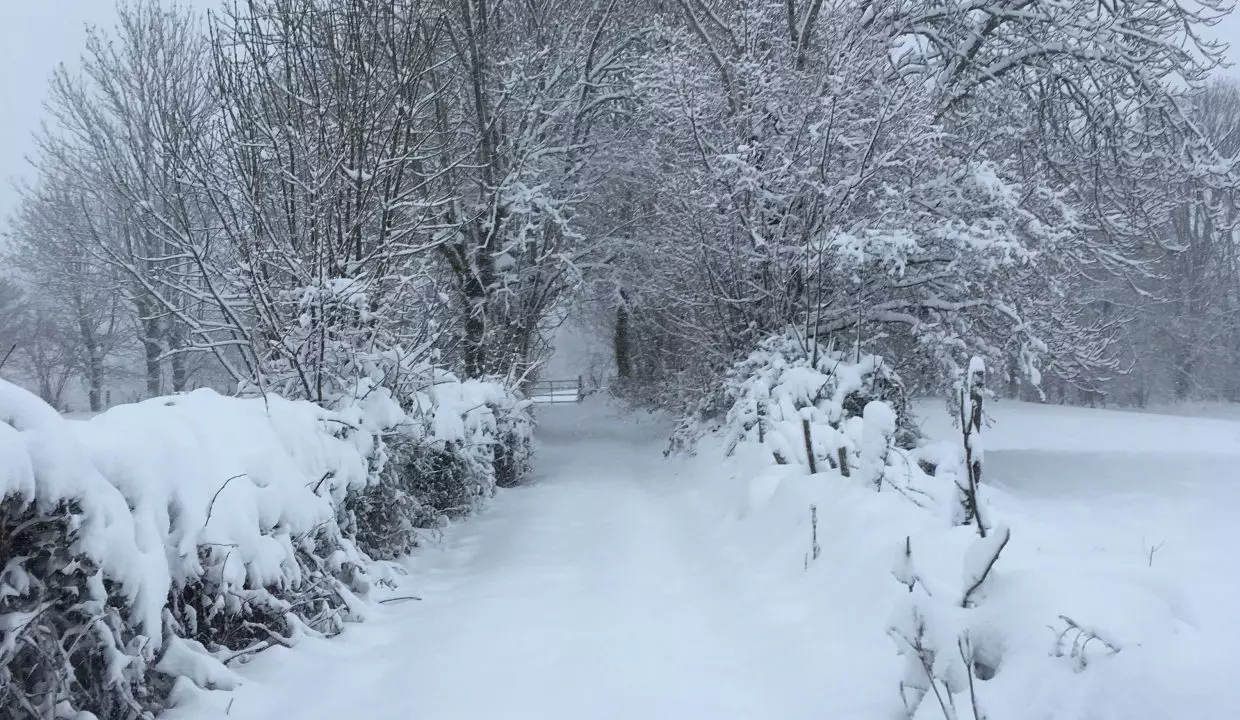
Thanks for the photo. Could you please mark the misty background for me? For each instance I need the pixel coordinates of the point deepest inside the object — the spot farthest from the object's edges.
(36, 38)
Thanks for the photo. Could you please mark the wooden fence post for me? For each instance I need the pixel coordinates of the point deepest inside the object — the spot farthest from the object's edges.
(809, 447)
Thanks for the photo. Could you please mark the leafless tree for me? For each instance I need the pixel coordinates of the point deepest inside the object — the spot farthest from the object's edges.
(74, 320)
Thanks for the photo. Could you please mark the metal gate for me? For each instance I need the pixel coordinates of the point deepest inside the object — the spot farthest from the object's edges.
(557, 391)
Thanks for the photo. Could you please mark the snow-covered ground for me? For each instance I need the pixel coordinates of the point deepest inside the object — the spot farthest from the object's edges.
(1139, 505)
(619, 584)
(1152, 497)
(582, 595)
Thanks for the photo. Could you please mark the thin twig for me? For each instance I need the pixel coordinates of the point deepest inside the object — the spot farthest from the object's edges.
(7, 354)
(329, 473)
(400, 599)
(968, 595)
(253, 649)
(968, 670)
(211, 505)
(934, 684)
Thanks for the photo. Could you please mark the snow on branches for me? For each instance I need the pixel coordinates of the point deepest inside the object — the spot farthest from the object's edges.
(804, 405)
(921, 181)
(159, 542)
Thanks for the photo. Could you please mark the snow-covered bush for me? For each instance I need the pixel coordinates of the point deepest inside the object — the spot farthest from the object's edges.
(947, 646)
(79, 603)
(513, 427)
(448, 444)
(789, 381)
(158, 542)
(63, 641)
(866, 504)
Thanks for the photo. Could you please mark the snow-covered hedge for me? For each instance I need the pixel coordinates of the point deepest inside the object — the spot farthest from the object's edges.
(846, 420)
(888, 548)
(769, 396)
(158, 542)
(449, 444)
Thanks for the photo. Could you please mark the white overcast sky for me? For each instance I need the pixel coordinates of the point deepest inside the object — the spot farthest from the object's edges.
(36, 35)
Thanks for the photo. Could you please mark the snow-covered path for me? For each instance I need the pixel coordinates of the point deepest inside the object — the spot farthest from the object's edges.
(618, 584)
(583, 595)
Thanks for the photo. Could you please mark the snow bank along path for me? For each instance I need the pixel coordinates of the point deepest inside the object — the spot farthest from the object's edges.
(1105, 489)
(582, 595)
(1106, 500)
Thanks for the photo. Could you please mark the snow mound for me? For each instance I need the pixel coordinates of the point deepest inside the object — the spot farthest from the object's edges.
(875, 549)
(156, 543)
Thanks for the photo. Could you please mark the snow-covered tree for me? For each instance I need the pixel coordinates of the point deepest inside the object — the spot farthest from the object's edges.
(73, 324)
(923, 180)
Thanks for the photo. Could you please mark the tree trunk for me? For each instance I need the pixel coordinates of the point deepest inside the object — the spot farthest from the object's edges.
(152, 350)
(475, 327)
(1183, 374)
(94, 355)
(180, 373)
(621, 343)
(94, 376)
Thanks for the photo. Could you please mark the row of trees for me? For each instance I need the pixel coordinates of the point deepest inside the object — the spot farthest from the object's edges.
(1032, 182)
(293, 192)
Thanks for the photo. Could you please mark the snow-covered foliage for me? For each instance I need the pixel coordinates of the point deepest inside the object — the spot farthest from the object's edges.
(152, 540)
(451, 443)
(77, 589)
(788, 381)
(159, 541)
(881, 539)
(861, 171)
(848, 422)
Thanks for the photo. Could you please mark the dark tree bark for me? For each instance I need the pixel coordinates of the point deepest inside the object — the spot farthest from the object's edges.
(621, 342)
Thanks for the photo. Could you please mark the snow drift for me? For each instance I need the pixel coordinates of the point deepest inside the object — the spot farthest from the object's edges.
(875, 542)
(159, 542)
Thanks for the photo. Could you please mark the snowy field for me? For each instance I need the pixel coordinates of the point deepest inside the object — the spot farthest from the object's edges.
(623, 585)
(1132, 518)
(1150, 497)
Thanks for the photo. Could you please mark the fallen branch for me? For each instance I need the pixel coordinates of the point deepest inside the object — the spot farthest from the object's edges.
(399, 599)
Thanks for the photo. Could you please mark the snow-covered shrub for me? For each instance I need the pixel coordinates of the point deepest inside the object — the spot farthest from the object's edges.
(158, 540)
(771, 395)
(513, 427)
(64, 644)
(947, 650)
(844, 465)
(448, 444)
(79, 604)
(471, 436)
(445, 480)
(385, 518)
(243, 493)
